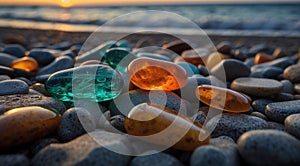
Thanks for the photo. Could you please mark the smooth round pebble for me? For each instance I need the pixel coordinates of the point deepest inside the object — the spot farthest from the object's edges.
(15, 50)
(260, 87)
(42, 56)
(292, 125)
(57, 65)
(270, 148)
(117, 122)
(13, 86)
(260, 105)
(4, 77)
(259, 115)
(155, 160)
(7, 71)
(288, 86)
(280, 110)
(292, 73)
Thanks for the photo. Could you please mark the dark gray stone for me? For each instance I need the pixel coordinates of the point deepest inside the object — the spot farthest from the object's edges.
(288, 87)
(13, 86)
(155, 160)
(271, 72)
(281, 62)
(200, 117)
(6, 59)
(14, 160)
(283, 97)
(42, 56)
(27, 81)
(259, 115)
(249, 62)
(42, 78)
(269, 148)
(260, 105)
(58, 64)
(280, 110)
(75, 122)
(292, 125)
(224, 47)
(14, 101)
(234, 125)
(203, 70)
(85, 151)
(15, 50)
(233, 69)
(7, 71)
(292, 73)
(259, 48)
(275, 126)
(117, 122)
(4, 77)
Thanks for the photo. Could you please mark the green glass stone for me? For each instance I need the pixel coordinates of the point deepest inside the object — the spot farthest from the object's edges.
(123, 43)
(93, 82)
(119, 58)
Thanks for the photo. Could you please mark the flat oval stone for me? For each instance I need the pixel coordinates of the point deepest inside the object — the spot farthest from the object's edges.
(149, 120)
(13, 86)
(119, 58)
(260, 105)
(42, 56)
(152, 74)
(6, 59)
(281, 62)
(58, 64)
(260, 87)
(280, 110)
(25, 124)
(292, 73)
(26, 63)
(292, 125)
(80, 82)
(15, 50)
(234, 101)
(269, 147)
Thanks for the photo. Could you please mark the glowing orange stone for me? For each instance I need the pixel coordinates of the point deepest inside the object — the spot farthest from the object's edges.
(162, 126)
(153, 74)
(212, 96)
(25, 63)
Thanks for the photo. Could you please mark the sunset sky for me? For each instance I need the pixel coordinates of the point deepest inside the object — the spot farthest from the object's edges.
(69, 3)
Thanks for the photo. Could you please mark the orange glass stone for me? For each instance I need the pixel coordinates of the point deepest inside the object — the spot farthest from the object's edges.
(212, 96)
(154, 74)
(262, 58)
(26, 63)
(25, 124)
(156, 124)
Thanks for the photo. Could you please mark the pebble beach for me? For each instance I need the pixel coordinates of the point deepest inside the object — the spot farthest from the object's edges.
(40, 124)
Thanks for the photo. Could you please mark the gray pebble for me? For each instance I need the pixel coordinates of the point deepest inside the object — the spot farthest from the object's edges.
(6, 59)
(13, 86)
(15, 50)
(261, 87)
(14, 160)
(249, 62)
(292, 73)
(275, 126)
(4, 77)
(75, 122)
(154, 56)
(58, 64)
(34, 92)
(269, 148)
(234, 125)
(155, 160)
(259, 115)
(260, 105)
(280, 110)
(42, 56)
(288, 87)
(292, 125)
(7, 71)
(281, 62)
(271, 72)
(203, 70)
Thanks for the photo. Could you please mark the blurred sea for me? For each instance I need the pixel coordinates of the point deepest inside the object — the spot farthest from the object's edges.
(219, 19)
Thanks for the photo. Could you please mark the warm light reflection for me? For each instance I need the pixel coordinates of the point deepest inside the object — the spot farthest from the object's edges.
(66, 3)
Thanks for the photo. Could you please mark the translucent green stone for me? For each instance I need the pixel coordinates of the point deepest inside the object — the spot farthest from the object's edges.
(119, 58)
(93, 82)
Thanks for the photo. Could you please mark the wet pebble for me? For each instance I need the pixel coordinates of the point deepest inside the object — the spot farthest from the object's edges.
(275, 126)
(15, 50)
(7, 71)
(292, 125)
(40, 144)
(42, 56)
(6, 59)
(288, 86)
(259, 115)
(13, 86)
(57, 65)
(280, 110)
(260, 105)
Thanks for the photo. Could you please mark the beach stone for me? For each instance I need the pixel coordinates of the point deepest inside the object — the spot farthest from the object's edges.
(234, 125)
(177, 46)
(203, 70)
(6, 59)
(233, 69)
(14, 160)
(155, 160)
(213, 59)
(275, 126)
(7, 71)
(249, 62)
(281, 62)
(297, 88)
(75, 122)
(42, 56)
(279, 53)
(292, 73)
(62, 45)
(26, 63)
(4, 77)
(119, 58)
(27, 81)
(189, 68)
(288, 86)
(15, 50)
(40, 144)
(196, 56)
(260, 87)
(259, 115)
(42, 78)
(25, 124)
(271, 72)
(280, 110)
(117, 122)
(121, 104)
(292, 125)
(269, 147)
(13, 86)
(260, 105)
(200, 117)
(39, 88)
(85, 151)
(14, 101)
(224, 47)
(58, 64)
(14, 39)
(64, 85)
(259, 48)
(283, 97)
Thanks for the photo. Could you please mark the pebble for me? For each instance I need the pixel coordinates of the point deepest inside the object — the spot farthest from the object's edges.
(13, 86)
(117, 122)
(259, 115)
(271, 72)
(281, 62)
(200, 117)
(41, 78)
(223, 99)
(27, 81)
(26, 63)
(196, 57)
(75, 122)
(177, 46)
(150, 120)
(7, 71)
(262, 58)
(14, 160)
(119, 58)
(269, 147)
(224, 47)
(292, 73)
(280, 110)
(40, 88)
(279, 53)
(152, 74)
(189, 68)
(259, 48)
(156, 159)
(275, 126)
(84, 150)
(288, 86)
(14, 101)
(297, 88)
(4, 77)
(283, 97)
(203, 70)
(259, 105)
(15, 50)
(292, 125)
(42, 56)
(6, 59)
(234, 125)
(38, 145)
(260, 87)
(230, 69)
(57, 65)
(62, 84)
(25, 124)
(249, 62)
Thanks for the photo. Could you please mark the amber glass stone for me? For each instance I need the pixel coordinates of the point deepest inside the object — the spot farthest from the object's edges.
(154, 74)
(262, 58)
(212, 96)
(25, 124)
(26, 63)
(162, 126)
